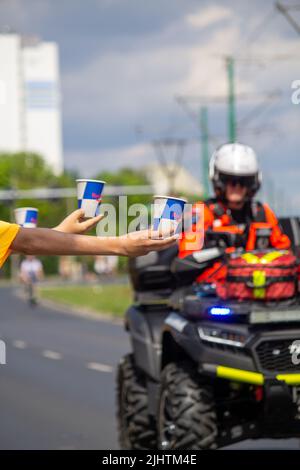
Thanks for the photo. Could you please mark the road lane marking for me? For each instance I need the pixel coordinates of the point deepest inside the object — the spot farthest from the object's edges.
(66, 448)
(19, 344)
(51, 355)
(99, 367)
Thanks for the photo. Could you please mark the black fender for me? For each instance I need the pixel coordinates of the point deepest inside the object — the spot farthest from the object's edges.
(145, 329)
(179, 340)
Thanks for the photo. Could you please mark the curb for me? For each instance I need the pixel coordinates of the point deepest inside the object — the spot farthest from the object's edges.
(79, 312)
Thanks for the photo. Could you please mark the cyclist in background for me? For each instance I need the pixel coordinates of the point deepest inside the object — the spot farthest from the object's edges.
(31, 271)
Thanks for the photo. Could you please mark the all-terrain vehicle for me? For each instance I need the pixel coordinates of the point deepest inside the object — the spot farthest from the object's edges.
(206, 369)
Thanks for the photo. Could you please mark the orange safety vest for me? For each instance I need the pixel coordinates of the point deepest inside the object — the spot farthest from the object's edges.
(217, 216)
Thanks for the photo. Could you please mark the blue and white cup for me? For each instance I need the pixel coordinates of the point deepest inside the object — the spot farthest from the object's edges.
(168, 213)
(26, 216)
(89, 194)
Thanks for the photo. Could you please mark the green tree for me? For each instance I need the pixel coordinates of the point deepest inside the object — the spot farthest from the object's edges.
(27, 171)
(126, 177)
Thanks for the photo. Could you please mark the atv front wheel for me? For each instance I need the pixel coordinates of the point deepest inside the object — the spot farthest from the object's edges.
(137, 429)
(187, 417)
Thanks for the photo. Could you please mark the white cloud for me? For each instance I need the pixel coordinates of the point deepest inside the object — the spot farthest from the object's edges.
(93, 161)
(208, 16)
(129, 86)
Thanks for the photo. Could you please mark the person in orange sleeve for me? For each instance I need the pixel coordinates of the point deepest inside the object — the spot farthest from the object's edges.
(236, 178)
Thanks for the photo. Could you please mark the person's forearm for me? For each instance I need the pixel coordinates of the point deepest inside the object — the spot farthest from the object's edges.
(43, 241)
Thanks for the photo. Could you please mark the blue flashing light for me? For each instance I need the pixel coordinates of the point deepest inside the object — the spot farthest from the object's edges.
(220, 311)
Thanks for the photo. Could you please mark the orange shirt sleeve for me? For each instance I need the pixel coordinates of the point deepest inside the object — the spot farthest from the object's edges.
(8, 233)
(278, 239)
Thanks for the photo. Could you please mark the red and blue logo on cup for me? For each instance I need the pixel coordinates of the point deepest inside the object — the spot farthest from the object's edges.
(168, 212)
(89, 194)
(26, 216)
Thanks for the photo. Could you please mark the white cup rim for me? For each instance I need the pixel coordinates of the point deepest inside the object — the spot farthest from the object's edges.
(92, 181)
(25, 209)
(170, 197)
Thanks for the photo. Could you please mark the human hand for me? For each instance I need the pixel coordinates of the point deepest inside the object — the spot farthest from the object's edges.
(75, 223)
(142, 242)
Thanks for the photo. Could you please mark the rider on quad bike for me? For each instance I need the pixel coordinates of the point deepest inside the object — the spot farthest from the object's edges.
(215, 328)
(236, 178)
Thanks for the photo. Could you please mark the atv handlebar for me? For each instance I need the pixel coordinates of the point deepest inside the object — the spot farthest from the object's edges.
(188, 268)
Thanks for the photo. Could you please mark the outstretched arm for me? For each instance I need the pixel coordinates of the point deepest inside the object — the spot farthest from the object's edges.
(43, 241)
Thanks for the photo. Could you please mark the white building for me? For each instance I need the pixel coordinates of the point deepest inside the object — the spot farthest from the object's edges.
(30, 114)
(11, 94)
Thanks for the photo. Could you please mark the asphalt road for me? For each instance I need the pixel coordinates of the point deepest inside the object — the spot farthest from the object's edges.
(57, 390)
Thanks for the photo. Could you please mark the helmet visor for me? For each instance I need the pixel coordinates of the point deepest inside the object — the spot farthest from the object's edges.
(234, 180)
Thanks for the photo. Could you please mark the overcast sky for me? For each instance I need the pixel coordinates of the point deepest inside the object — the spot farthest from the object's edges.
(124, 61)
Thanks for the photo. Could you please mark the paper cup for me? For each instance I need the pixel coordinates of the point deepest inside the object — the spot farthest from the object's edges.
(168, 212)
(89, 196)
(26, 216)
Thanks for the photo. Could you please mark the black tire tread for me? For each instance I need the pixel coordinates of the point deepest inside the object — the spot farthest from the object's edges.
(137, 430)
(192, 405)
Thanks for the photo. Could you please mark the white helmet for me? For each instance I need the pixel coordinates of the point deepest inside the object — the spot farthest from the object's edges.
(235, 162)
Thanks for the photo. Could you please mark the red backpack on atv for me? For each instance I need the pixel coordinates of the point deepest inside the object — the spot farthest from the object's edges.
(270, 275)
(258, 273)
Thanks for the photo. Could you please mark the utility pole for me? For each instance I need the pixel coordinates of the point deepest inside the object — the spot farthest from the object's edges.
(284, 10)
(231, 100)
(204, 149)
(170, 169)
(271, 194)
